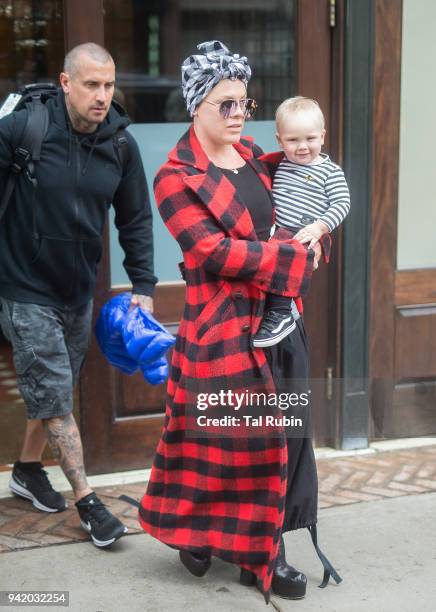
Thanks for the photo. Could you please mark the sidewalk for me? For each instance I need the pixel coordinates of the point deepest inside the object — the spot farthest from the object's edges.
(376, 525)
(385, 552)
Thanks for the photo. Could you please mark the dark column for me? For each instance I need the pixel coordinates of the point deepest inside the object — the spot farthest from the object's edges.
(358, 88)
(83, 22)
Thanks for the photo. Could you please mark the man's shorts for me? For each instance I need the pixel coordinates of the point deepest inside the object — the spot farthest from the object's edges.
(49, 347)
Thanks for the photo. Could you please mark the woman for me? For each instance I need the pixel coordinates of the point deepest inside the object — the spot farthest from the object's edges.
(231, 496)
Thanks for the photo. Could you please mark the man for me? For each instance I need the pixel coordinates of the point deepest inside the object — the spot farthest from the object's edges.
(50, 244)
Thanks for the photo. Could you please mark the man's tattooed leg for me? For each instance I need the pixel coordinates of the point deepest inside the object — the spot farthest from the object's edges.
(64, 440)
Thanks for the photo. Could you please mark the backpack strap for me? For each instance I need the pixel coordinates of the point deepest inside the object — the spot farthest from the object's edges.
(122, 146)
(29, 149)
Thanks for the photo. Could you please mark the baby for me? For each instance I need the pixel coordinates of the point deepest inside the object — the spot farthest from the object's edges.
(311, 198)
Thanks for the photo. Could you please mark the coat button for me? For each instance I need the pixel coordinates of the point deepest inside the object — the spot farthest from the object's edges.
(245, 327)
(238, 295)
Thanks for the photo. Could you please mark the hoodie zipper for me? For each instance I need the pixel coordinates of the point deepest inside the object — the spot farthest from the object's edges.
(32, 178)
(76, 194)
(76, 214)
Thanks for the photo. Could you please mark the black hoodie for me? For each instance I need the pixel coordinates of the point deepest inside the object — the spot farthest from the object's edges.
(51, 240)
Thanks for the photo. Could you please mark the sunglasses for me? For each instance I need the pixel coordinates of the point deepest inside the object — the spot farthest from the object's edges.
(227, 108)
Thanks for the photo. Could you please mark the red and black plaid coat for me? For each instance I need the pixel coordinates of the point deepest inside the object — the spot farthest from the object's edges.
(220, 495)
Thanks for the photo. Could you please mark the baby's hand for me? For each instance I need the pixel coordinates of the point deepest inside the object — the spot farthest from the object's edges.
(311, 233)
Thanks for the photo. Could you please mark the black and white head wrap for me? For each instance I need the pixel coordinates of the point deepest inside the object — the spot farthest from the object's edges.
(200, 73)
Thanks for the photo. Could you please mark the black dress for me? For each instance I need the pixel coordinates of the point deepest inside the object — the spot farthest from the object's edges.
(290, 366)
(289, 362)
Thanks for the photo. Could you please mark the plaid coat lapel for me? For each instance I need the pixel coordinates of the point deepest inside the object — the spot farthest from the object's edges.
(215, 190)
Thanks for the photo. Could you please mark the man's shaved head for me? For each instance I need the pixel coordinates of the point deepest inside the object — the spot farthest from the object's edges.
(91, 50)
(88, 82)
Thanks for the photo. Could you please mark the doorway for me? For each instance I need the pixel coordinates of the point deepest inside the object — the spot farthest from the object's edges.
(290, 47)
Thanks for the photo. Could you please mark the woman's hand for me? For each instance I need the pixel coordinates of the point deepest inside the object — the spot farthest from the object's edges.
(318, 252)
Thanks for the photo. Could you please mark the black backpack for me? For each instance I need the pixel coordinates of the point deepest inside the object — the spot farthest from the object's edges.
(33, 97)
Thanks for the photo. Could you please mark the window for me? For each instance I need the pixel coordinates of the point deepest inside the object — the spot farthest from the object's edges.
(31, 43)
(149, 40)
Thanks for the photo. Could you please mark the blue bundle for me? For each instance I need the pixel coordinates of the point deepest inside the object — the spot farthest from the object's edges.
(133, 339)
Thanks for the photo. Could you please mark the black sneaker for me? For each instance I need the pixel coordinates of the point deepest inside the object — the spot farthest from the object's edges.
(31, 482)
(103, 527)
(275, 326)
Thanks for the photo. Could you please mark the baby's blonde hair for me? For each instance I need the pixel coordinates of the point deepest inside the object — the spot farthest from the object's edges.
(296, 105)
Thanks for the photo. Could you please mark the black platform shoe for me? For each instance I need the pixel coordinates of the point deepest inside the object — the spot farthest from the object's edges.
(197, 565)
(247, 578)
(287, 582)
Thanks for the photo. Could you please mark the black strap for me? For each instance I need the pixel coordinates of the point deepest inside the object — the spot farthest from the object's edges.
(21, 159)
(28, 151)
(129, 500)
(122, 146)
(36, 128)
(329, 570)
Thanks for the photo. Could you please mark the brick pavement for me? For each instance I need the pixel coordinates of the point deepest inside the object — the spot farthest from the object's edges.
(353, 479)
(345, 480)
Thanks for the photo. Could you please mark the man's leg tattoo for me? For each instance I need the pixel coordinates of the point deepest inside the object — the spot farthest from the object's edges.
(64, 440)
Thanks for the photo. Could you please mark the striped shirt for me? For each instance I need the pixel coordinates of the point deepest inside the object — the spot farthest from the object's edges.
(305, 193)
